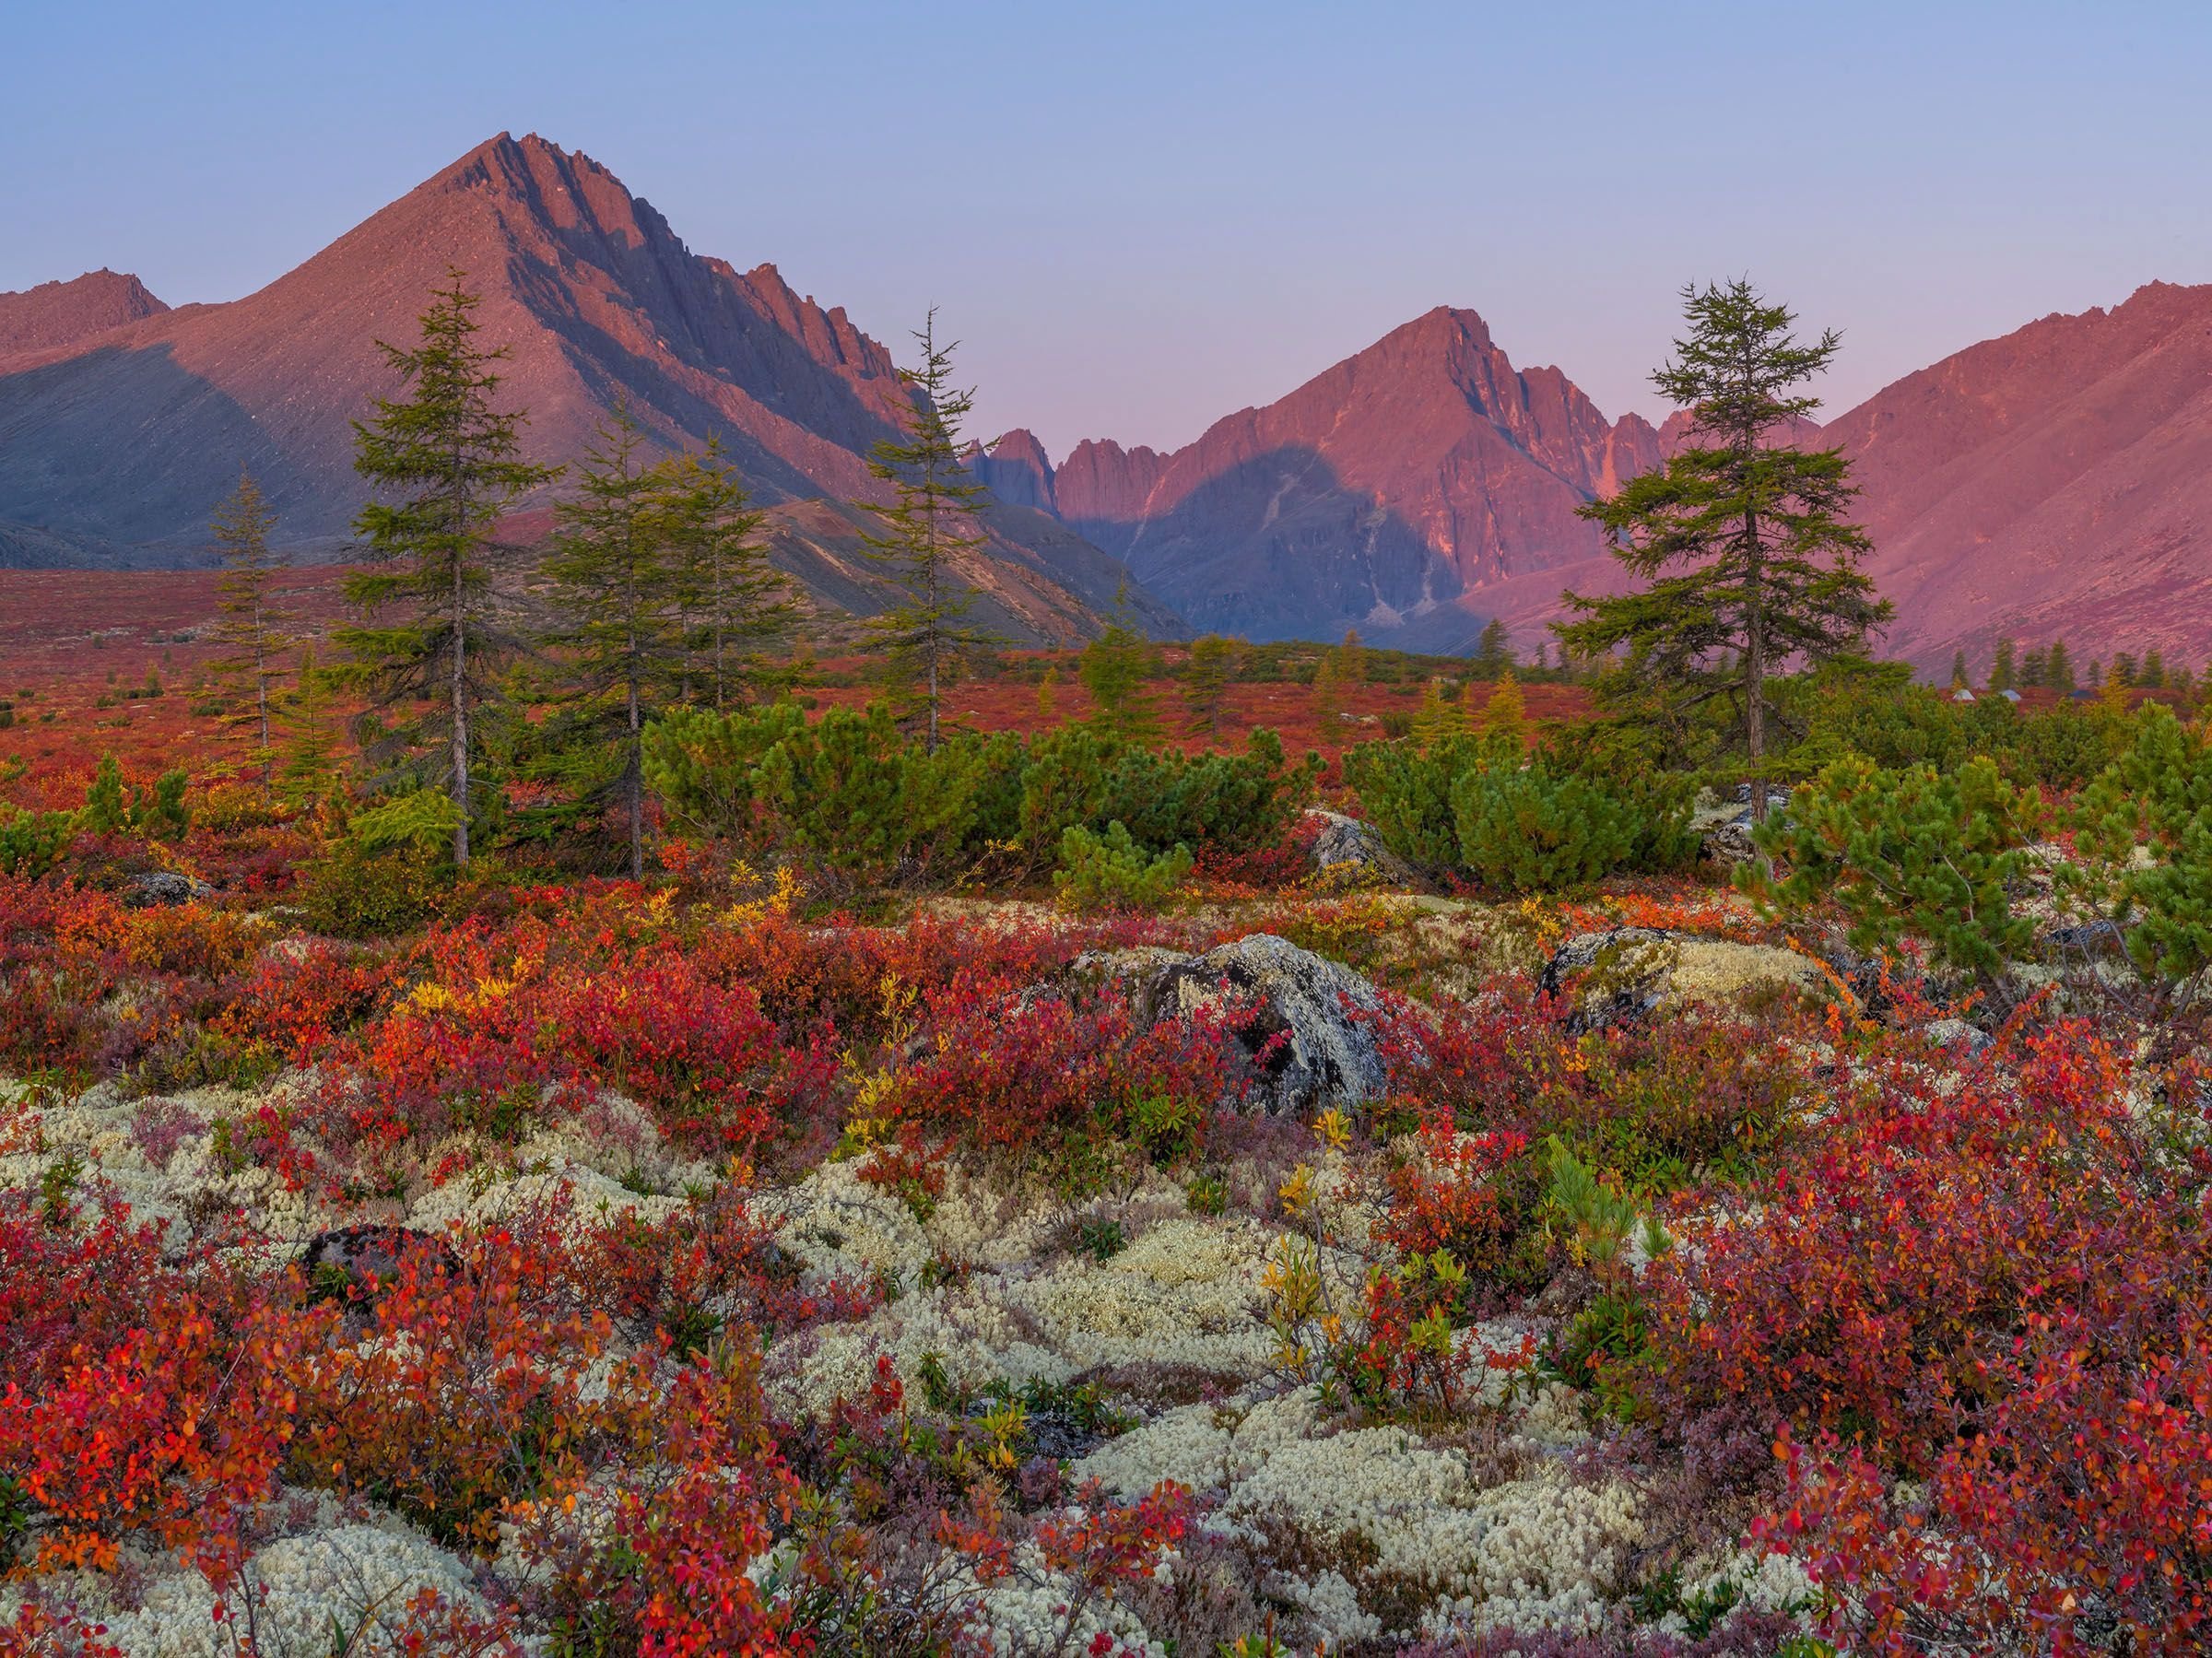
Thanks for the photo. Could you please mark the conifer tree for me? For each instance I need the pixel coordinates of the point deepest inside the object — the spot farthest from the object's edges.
(1958, 670)
(2035, 668)
(2059, 668)
(2123, 667)
(1329, 698)
(1439, 716)
(251, 631)
(1351, 659)
(930, 524)
(2153, 674)
(1768, 567)
(1048, 699)
(2002, 675)
(1493, 650)
(428, 634)
(1114, 668)
(736, 604)
(307, 714)
(1206, 678)
(618, 582)
(1505, 717)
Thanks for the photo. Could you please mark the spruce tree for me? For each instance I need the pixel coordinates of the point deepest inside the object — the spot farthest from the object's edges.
(307, 714)
(2002, 674)
(2058, 668)
(736, 604)
(1493, 650)
(252, 629)
(1764, 564)
(1206, 680)
(1958, 670)
(2153, 674)
(928, 527)
(617, 581)
(428, 634)
(1114, 668)
(2035, 668)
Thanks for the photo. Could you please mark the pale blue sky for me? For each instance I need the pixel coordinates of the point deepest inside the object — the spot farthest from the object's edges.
(1140, 217)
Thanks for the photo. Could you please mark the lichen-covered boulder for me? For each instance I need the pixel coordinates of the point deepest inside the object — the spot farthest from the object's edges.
(1301, 1029)
(1724, 829)
(1623, 974)
(1347, 847)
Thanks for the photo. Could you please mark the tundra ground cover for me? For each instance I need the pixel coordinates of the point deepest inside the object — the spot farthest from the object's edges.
(744, 1261)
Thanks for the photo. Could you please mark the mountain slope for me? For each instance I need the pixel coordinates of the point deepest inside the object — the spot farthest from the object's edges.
(131, 435)
(1382, 494)
(2055, 481)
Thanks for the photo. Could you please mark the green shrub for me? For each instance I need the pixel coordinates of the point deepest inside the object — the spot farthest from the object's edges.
(113, 808)
(700, 762)
(859, 796)
(1111, 872)
(1406, 792)
(33, 843)
(2157, 794)
(850, 790)
(1528, 830)
(1917, 852)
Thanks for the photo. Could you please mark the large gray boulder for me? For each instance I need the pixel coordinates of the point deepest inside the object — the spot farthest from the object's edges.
(1310, 1051)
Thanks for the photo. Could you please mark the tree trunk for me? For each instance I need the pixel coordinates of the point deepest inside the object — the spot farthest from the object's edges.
(457, 690)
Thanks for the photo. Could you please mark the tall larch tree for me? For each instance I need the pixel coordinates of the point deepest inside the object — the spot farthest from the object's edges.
(736, 604)
(929, 525)
(618, 578)
(450, 459)
(1749, 561)
(253, 631)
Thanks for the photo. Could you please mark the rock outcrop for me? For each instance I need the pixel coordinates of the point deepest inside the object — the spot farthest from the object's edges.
(57, 314)
(1625, 974)
(1298, 1013)
(1348, 848)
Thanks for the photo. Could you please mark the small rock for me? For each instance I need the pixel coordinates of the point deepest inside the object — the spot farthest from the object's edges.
(1724, 831)
(358, 1264)
(2101, 938)
(162, 888)
(1956, 1033)
(1323, 1057)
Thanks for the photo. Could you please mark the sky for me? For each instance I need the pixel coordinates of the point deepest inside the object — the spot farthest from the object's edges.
(1137, 218)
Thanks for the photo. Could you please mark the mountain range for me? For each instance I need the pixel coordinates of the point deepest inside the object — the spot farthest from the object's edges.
(2055, 481)
(124, 421)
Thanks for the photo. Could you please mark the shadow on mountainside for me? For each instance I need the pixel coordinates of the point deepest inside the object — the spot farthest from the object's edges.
(1277, 547)
(68, 465)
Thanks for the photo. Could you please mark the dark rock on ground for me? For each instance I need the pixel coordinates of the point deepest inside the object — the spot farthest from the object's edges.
(358, 1264)
(163, 887)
